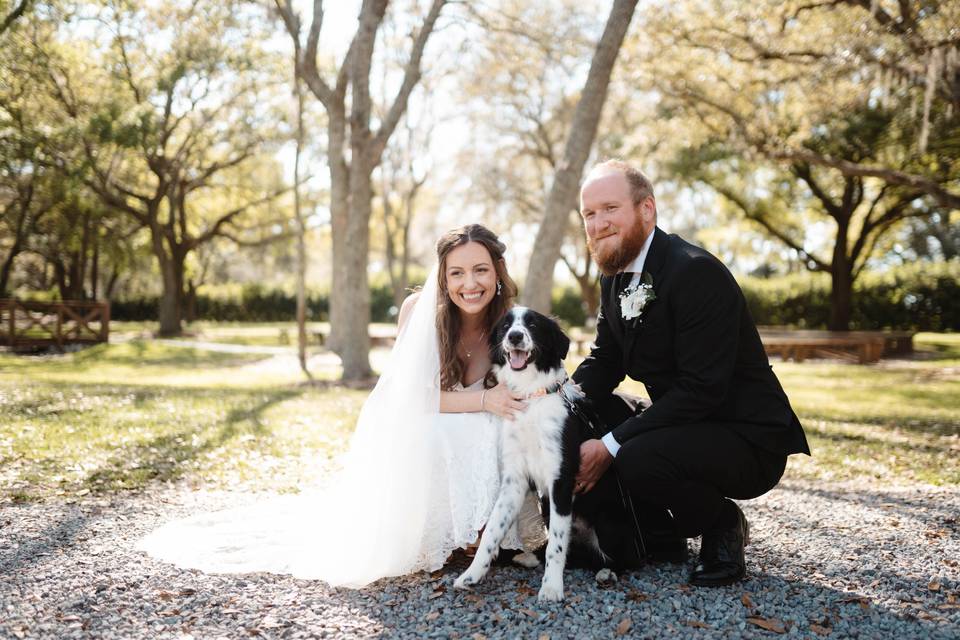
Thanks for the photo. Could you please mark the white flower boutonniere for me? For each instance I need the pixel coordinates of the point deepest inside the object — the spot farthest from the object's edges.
(635, 297)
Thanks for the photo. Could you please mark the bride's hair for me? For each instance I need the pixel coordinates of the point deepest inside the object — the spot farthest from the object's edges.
(448, 316)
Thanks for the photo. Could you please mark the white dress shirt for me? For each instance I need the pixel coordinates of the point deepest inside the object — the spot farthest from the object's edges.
(637, 268)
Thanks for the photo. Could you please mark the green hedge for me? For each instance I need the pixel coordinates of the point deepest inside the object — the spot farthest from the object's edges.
(920, 297)
(254, 303)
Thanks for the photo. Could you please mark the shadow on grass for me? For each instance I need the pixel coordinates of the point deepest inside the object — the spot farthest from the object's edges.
(874, 442)
(141, 354)
(923, 426)
(163, 457)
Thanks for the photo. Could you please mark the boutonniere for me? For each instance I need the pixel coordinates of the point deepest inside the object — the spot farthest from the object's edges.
(635, 297)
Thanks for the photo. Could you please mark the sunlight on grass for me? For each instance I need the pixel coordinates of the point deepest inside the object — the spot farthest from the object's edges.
(125, 416)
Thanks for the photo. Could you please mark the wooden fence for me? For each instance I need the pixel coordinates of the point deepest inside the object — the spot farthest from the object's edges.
(26, 325)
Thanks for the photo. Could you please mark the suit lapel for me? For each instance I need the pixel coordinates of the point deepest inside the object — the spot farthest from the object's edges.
(653, 264)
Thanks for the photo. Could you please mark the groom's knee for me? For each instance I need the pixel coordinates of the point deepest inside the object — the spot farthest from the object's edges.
(641, 462)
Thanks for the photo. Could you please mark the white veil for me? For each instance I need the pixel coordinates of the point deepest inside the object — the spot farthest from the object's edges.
(371, 521)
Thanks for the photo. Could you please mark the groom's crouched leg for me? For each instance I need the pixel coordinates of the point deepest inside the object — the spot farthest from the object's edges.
(628, 535)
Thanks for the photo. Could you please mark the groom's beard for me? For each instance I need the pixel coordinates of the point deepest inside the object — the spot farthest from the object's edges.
(613, 259)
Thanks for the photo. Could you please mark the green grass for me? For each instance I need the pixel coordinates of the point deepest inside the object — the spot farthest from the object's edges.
(121, 416)
(124, 416)
(898, 421)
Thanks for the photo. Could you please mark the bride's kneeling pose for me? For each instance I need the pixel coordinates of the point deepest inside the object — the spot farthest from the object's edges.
(422, 471)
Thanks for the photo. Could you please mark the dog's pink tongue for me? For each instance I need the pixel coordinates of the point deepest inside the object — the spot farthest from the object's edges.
(518, 359)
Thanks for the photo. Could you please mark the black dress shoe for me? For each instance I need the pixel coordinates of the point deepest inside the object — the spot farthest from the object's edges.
(722, 560)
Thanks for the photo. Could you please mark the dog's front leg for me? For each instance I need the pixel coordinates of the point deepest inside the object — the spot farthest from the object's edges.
(504, 513)
(558, 542)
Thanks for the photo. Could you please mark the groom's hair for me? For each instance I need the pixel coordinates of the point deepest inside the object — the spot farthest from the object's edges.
(640, 186)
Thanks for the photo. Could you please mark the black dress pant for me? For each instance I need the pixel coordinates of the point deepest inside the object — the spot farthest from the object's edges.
(685, 470)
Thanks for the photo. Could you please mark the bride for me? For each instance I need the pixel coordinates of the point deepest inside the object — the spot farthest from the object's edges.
(422, 471)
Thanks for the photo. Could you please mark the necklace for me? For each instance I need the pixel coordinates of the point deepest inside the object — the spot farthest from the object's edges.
(479, 340)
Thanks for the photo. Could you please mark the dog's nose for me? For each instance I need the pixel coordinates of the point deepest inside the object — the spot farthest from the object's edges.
(515, 337)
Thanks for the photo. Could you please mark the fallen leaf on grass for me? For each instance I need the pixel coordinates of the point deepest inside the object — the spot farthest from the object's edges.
(770, 625)
(544, 636)
(747, 602)
(436, 594)
(528, 612)
(697, 624)
(433, 615)
(934, 586)
(624, 626)
(820, 630)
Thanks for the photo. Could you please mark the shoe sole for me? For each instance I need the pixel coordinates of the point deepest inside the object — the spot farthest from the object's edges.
(719, 583)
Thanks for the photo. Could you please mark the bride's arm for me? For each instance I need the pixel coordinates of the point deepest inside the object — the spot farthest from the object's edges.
(498, 401)
(463, 401)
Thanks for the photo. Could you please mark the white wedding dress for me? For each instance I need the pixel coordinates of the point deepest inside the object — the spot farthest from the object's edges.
(415, 485)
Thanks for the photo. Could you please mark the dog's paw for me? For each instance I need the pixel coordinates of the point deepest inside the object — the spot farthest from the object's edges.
(465, 581)
(550, 592)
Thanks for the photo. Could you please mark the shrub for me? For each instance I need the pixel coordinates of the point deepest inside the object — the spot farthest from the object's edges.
(918, 297)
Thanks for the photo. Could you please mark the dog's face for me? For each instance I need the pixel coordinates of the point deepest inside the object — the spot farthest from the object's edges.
(527, 341)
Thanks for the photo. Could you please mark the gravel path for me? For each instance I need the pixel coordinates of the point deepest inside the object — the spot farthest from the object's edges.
(837, 560)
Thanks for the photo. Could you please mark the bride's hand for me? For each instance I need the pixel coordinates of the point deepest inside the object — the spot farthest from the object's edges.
(499, 401)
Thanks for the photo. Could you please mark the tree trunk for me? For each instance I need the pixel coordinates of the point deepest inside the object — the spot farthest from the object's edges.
(6, 268)
(841, 281)
(301, 237)
(95, 267)
(354, 350)
(339, 214)
(169, 308)
(841, 299)
(566, 181)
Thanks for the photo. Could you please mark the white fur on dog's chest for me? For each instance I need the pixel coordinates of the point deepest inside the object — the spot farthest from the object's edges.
(533, 441)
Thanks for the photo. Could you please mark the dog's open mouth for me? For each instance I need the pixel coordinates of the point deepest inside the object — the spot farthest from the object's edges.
(518, 359)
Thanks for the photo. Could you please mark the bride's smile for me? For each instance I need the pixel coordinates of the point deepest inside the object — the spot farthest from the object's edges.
(470, 277)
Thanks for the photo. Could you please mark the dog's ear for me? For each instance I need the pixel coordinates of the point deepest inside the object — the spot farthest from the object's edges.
(495, 342)
(561, 340)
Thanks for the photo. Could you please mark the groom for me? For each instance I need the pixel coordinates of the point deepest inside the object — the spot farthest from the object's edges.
(720, 425)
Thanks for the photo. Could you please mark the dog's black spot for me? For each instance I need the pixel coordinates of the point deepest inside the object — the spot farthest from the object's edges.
(489, 549)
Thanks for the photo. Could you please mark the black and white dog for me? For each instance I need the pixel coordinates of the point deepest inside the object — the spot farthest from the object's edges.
(540, 446)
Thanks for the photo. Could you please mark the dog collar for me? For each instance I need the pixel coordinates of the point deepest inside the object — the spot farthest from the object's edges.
(545, 391)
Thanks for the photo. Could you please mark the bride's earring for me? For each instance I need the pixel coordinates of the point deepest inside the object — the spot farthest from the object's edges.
(499, 287)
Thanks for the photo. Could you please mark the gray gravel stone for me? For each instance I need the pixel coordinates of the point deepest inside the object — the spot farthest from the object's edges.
(851, 560)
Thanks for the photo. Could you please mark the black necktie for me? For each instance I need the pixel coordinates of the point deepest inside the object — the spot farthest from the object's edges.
(622, 281)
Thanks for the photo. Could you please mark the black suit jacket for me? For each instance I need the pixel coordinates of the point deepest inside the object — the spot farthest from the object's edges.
(697, 351)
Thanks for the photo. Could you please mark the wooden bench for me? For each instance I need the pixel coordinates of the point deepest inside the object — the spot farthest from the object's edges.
(862, 347)
(380, 336)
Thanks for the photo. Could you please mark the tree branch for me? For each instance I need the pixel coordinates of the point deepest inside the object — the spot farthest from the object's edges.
(411, 76)
(217, 227)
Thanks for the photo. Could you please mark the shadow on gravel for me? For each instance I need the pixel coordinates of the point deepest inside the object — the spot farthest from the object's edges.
(19, 549)
(935, 515)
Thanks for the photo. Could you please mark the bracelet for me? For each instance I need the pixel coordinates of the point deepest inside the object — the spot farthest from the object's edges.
(481, 400)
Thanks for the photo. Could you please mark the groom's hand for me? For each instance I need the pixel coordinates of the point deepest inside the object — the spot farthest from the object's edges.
(595, 459)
